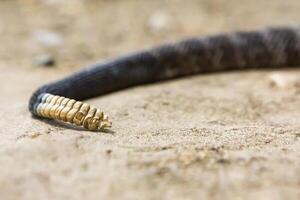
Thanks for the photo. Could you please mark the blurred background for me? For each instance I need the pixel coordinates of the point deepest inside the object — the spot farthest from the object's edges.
(73, 33)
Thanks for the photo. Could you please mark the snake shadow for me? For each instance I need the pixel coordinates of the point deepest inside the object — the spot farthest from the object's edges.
(64, 125)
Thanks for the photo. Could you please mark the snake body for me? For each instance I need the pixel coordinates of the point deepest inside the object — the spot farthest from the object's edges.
(267, 48)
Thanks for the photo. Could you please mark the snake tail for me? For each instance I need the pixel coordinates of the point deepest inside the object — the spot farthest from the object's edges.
(275, 47)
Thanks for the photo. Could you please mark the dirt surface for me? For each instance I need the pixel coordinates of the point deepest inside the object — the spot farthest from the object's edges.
(217, 136)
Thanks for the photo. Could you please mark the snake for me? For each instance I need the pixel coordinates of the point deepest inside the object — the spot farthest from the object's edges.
(271, 47)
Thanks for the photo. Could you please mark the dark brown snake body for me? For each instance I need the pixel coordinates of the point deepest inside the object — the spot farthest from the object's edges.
(267, 48)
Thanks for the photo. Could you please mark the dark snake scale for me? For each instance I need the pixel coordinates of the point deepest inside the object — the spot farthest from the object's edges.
(267, 48)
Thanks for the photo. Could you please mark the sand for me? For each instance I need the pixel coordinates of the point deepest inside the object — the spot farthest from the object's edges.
(217, 136)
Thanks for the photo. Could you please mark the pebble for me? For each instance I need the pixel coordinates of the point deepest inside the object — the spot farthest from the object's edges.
(159, 21)
(45, 60)
(47, 38)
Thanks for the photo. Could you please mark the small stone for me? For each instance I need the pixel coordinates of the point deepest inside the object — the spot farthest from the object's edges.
(47, 38)
(159, 21)
(108, 151)
(44, 60)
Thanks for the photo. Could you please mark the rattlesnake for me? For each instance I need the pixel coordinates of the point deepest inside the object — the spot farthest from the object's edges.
(270, 47)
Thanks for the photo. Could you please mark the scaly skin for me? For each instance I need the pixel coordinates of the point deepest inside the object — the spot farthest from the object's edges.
(267, 48)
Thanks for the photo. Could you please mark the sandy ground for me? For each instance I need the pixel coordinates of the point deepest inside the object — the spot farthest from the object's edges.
(218, 136)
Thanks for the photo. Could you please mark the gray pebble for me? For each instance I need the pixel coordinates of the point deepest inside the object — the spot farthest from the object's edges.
(44, 60)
